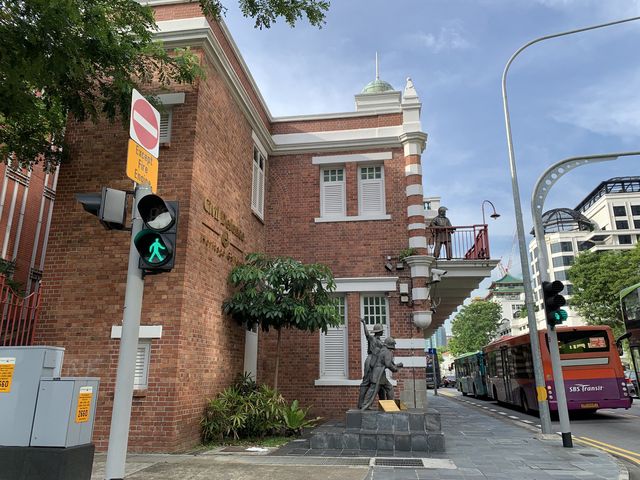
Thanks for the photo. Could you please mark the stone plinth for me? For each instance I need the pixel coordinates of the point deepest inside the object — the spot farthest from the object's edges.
(405, 431)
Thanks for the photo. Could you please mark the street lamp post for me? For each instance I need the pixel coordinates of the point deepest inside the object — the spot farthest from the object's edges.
(545, 418)
(495, 215)
(540, 192)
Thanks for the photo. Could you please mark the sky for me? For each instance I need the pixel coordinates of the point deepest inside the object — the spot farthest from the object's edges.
(570, 96)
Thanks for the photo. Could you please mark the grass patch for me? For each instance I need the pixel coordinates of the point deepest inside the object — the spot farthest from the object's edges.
(276, 441)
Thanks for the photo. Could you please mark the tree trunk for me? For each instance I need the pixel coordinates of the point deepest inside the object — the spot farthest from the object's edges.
(275, 382)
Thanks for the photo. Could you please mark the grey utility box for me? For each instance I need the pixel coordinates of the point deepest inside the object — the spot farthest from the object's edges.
(65, 412)
(21, 369)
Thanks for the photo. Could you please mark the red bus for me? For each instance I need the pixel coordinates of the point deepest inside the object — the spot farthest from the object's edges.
(593, 374)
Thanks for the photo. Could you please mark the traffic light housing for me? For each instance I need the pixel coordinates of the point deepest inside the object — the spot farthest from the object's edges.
(553, 302)
(109, 205)
(156, 242)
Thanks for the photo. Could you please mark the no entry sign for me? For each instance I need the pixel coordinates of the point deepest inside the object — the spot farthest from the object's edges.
(144, 127)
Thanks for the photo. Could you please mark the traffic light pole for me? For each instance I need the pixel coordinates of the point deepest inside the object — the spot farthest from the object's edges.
(539, 195)
(545, 419)
(121, 414)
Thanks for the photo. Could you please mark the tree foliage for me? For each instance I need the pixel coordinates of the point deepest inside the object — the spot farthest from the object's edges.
(83, 57)
(266, 12)
(597, 279)
(474, 326)
(280, 292)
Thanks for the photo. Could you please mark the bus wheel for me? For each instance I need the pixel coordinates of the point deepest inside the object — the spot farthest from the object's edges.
(464, 394)
(524, 403)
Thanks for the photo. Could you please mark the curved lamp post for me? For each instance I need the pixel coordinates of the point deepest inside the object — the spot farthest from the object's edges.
(545, 419)
(542, 187)
(495, 215)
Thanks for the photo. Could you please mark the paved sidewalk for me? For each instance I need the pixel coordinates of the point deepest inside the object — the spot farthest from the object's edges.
(478, 446)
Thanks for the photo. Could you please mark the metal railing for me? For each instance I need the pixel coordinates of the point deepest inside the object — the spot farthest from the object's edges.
(19, 316)
(459, 243)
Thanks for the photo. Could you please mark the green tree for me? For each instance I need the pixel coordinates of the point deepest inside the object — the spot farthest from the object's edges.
(83, 57)
(474, 326)
(280, 292)
(597, 279)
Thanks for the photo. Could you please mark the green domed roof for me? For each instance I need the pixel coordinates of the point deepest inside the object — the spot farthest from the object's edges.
(377, 86)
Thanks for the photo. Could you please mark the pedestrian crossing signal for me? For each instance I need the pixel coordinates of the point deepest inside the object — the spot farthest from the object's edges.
(156, 241)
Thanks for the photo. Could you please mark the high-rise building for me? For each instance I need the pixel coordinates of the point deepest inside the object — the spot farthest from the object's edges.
(607, 219)
(508, 292)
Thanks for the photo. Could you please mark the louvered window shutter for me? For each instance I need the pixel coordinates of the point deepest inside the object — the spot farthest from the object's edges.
(257, 182)
(141, 376)
(333, 349)
(254, 187)
(334, 353)
(261, 191)
(371, 191)
(165, 126)
(333, 193)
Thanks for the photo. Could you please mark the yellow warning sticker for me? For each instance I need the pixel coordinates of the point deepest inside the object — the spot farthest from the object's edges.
(542, 394)
(84, 404)
(7, 366)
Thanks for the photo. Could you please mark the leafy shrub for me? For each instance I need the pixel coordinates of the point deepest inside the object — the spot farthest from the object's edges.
(246, 410)
(407, 252)
(294, 418)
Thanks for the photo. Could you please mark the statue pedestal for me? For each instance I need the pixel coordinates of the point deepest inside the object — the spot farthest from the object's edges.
(404, 431)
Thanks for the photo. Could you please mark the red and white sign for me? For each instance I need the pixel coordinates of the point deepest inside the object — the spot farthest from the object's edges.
(144, 128)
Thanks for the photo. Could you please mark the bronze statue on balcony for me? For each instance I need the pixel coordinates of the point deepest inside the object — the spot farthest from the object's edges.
(441, 233)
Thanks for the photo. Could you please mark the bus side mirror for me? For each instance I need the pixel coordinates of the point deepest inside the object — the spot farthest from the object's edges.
(619, 342)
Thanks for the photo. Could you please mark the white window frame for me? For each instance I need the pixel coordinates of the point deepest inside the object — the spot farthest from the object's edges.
(343, 191)
(143, 359)
(168, 101)
(258, 173)
(362, 182)
(345, 339)
(386, 326)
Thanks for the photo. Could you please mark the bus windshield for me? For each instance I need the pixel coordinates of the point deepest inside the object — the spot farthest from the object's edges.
(585, 341)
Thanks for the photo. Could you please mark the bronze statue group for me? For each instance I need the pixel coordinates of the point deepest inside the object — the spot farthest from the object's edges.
(379, 358)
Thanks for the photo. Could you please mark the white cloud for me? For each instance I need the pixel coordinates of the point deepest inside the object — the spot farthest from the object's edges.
(614, 8)
(449, 37)
(608, 109)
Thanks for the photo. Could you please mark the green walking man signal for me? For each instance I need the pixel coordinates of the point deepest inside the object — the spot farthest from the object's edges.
(155, 248)
(156, 241)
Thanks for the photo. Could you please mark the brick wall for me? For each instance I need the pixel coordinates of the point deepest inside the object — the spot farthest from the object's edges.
(209, 159)
(23, 235)
(350, 249)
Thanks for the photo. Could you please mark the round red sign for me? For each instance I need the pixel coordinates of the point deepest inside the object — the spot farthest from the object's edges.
(145, 124)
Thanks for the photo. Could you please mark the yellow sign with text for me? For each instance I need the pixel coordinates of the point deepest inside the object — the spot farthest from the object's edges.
(84, 404)
(7, 366)
(389, 405)
(142, 167)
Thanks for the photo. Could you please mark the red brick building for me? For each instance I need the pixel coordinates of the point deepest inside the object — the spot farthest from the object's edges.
(26, 206)
(344, 190)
